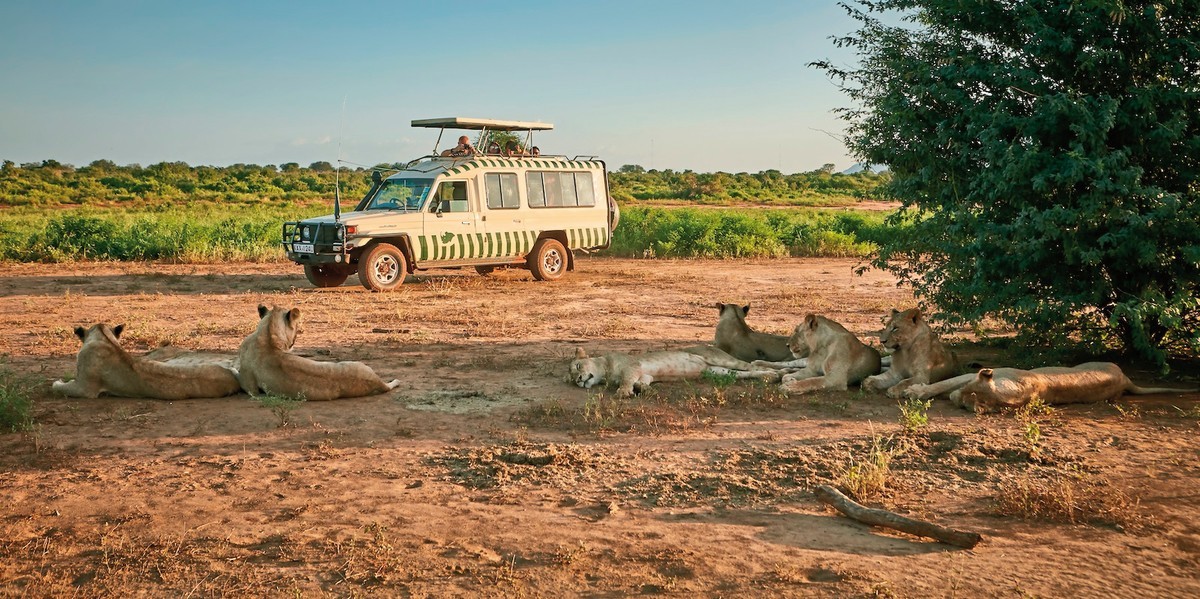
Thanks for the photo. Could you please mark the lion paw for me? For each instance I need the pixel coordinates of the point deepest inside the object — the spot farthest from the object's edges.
(392, 384)
(915, 392)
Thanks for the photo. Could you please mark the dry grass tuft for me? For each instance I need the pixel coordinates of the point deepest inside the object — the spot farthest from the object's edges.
(868, 478)
(1072, 499)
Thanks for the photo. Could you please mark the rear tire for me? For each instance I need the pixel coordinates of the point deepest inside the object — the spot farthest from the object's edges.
(325, 275)
(548, 260)
(382, 268)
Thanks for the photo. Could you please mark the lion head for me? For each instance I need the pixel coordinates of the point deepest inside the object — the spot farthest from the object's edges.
(734, 311)
(902, 327)
(586, 372)
(280, 325)
(100, 333)
(809, 335)
(979, 395)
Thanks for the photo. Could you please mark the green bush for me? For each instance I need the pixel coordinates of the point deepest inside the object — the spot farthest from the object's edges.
(183, 234)
(744, 233)
(1046, 154)
(16, 409)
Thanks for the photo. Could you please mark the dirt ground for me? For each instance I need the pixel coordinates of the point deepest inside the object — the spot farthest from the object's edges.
(485, 473)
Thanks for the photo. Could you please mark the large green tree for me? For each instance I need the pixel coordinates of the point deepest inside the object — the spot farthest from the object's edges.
(1049, 154)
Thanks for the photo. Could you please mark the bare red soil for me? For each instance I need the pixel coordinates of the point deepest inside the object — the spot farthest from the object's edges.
(486, 473)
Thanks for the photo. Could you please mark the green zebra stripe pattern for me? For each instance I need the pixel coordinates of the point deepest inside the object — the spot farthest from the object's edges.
(451, 246)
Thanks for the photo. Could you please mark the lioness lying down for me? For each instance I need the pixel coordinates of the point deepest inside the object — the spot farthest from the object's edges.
(919, 355)
(103, 366)
(737, 339)
(632, 373)
(993, 388)
(265, 364)
(836, 358)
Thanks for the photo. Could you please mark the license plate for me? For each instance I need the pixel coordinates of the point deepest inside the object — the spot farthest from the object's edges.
(302, 248)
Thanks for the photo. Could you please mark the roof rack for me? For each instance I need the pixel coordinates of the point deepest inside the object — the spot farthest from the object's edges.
(457, 122)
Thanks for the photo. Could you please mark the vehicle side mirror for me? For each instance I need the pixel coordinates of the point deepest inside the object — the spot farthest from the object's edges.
(376, 178)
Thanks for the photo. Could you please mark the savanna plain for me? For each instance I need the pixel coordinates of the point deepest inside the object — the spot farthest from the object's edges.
(486, 473)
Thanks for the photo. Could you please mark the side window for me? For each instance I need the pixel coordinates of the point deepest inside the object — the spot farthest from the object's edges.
(557, 190)
(583, 185)
(501, 190)
(553, 189)
(568, 189)
(451, 197)
(534, 190)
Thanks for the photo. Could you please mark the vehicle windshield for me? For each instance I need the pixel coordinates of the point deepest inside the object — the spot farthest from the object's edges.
(405, 195)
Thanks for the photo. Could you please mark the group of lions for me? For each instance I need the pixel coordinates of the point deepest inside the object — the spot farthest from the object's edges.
(264, 364)
(821, 354)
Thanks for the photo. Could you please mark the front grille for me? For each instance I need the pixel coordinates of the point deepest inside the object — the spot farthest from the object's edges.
(322, 235)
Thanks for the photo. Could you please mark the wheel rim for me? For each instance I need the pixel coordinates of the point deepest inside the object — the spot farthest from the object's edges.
(552, 261)
(386, 269)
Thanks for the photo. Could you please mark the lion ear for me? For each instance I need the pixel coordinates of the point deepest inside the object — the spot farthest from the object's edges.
(292, 316)
(81, 333)
(745, 309)
(580, 354)
(986, 374)
(916, 315)
(720, 307)
(811, 321)
(117, 330)
(895, 311)
(262, 310)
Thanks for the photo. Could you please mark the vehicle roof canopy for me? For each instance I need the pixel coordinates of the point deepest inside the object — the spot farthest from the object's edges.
(458, 122)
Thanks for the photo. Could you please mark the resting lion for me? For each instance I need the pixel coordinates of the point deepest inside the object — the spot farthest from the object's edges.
(737, 339)
(918, 355)
(836, 358)
(1013, 388)
(632, 373)
(103, 366)
(265, 364)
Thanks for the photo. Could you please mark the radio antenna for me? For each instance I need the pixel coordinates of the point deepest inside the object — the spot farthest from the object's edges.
(337, 172)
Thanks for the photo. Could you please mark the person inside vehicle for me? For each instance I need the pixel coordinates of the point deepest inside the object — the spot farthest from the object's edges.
(464, 148)
(535, 151)
(513, 149)
(493, 149)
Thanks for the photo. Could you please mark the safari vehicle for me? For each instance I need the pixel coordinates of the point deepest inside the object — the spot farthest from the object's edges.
(482, 210)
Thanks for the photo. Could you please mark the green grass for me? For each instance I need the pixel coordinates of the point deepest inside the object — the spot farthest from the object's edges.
(16, 409)
(281, 406)
(746, 233)
(206, 231)
(201, 233)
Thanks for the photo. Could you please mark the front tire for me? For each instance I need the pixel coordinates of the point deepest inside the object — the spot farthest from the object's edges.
(382, 268)
(324, 275)
(548, 260)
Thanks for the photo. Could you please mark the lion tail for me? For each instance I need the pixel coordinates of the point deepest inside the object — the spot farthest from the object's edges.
(1136, 390)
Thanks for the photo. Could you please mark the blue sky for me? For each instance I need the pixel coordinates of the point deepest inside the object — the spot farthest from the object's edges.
(700, 85)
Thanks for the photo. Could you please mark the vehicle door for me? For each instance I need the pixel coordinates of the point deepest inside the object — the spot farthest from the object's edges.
(450, 222)
(507, 234)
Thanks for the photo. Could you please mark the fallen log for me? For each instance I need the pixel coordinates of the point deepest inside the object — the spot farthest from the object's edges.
(876, 517)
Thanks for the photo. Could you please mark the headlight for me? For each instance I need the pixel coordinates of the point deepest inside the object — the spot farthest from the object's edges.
(341, 234)
(307, 233)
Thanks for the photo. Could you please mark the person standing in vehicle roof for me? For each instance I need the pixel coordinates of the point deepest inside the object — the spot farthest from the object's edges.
(464, 148)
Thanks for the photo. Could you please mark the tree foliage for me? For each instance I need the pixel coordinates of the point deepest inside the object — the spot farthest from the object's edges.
(1047, 153)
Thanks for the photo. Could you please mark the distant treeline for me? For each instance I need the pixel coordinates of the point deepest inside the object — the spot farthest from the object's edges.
(102, 183)
(815, 188)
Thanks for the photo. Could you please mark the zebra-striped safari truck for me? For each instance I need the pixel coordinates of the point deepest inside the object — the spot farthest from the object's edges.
(485, 206)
